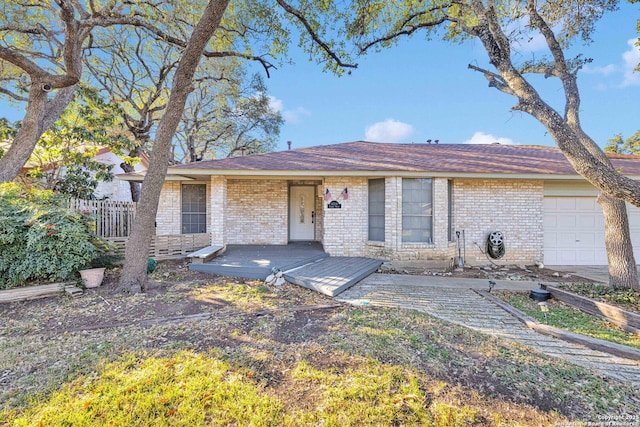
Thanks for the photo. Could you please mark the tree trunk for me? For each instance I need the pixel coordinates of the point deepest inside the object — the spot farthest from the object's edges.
(40, 116)
(134, 272)
(622, 264)
(134, 186)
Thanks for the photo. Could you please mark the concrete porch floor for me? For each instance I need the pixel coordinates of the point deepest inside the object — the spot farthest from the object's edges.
(303, 263)
(257, 261)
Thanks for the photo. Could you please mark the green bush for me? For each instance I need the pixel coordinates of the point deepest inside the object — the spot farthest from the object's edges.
(40, 238)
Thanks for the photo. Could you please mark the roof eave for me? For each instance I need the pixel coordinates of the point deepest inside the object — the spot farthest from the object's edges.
(139, 177)
(357, 173)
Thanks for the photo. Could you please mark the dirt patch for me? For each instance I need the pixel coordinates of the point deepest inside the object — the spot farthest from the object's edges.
(266, 335)
(489, 271)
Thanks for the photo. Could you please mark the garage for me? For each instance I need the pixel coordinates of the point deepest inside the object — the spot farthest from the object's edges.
(574, 231)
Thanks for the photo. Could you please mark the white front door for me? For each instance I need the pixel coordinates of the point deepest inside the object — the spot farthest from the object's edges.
(301, 213)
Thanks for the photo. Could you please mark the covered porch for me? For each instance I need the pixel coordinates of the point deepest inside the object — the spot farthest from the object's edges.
(303, 263)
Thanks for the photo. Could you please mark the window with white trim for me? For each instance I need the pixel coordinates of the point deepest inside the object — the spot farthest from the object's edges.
(376, 210)
(417, 210)
(194, 208)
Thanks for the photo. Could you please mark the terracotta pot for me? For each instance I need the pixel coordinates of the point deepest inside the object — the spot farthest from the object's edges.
(92, 277)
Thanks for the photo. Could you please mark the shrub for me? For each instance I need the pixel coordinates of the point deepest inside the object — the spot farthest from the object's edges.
(40, 238)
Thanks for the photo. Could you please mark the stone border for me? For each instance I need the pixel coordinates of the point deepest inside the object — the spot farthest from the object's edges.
(592, 343)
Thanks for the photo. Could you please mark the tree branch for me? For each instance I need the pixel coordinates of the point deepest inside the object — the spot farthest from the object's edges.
(13, 95)
(303, 20)
(495, 80)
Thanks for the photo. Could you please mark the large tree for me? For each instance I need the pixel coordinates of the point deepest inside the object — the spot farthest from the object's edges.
(41, 51)
(134, 69)
(227, 116)
(63, 159)
(498, 25)
(252, 21)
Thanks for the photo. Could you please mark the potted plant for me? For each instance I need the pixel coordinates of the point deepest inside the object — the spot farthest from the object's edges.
(92, 276)
(93, 272)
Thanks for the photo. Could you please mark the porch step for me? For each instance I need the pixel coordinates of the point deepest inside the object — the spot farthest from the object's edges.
(332, 275)
(205, 254)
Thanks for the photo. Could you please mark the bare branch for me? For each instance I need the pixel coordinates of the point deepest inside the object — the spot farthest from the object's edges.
(495, 80)
(561, 69)
(412, 29)
(265, 64)
(13, 95)
(300, 16)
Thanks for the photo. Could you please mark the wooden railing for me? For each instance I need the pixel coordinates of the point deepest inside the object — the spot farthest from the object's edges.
(166, 246)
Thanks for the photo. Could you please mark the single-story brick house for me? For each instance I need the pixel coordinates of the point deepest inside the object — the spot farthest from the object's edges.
(397, 201)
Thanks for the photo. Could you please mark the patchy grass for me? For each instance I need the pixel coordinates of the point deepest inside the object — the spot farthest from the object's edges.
(628, 299)
(566, 317)
(255, 362)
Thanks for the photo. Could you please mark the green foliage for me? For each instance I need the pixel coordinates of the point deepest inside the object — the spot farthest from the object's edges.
(624, 297)
(64, 155)
(40, 238)
(619, 145)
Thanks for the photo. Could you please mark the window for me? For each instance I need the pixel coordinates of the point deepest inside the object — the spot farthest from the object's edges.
(450, 209)
(376, 210)
(417, 210)
(194, 208)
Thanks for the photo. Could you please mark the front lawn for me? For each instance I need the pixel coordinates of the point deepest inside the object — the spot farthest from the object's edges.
(257, 355)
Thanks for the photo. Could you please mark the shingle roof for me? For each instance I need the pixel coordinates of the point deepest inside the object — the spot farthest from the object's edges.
(433, 158)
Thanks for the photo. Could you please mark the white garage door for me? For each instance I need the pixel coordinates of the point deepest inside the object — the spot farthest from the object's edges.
(574, 231)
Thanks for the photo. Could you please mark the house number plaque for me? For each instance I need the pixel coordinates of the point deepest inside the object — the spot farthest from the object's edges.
(334, 205)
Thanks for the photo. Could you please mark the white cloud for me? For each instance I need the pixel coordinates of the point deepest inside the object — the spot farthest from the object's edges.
(604, 71)
(487, 138)
(290, 116)
(389, 130)
(631, 60)
(275, 103)
(296, 115)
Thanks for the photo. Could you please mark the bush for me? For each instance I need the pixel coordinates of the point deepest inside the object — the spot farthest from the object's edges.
(40, 238)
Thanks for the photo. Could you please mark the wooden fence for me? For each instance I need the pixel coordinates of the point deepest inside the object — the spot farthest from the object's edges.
(113, 218)
(166, 246)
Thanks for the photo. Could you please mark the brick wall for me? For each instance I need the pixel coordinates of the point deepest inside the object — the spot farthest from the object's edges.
(168, 218)
(513, 207)
(218, 210)
(345, 229)
(257, 211)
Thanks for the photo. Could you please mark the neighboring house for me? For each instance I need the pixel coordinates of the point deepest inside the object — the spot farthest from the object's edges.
(397, 201)
(116, 189)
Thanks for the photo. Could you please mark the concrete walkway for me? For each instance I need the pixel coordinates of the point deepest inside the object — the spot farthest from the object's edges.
(453, 300)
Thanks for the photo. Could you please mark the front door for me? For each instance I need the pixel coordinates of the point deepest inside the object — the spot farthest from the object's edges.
(301, 213)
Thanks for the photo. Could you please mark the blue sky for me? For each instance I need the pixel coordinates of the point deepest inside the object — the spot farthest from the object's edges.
(423, 90)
